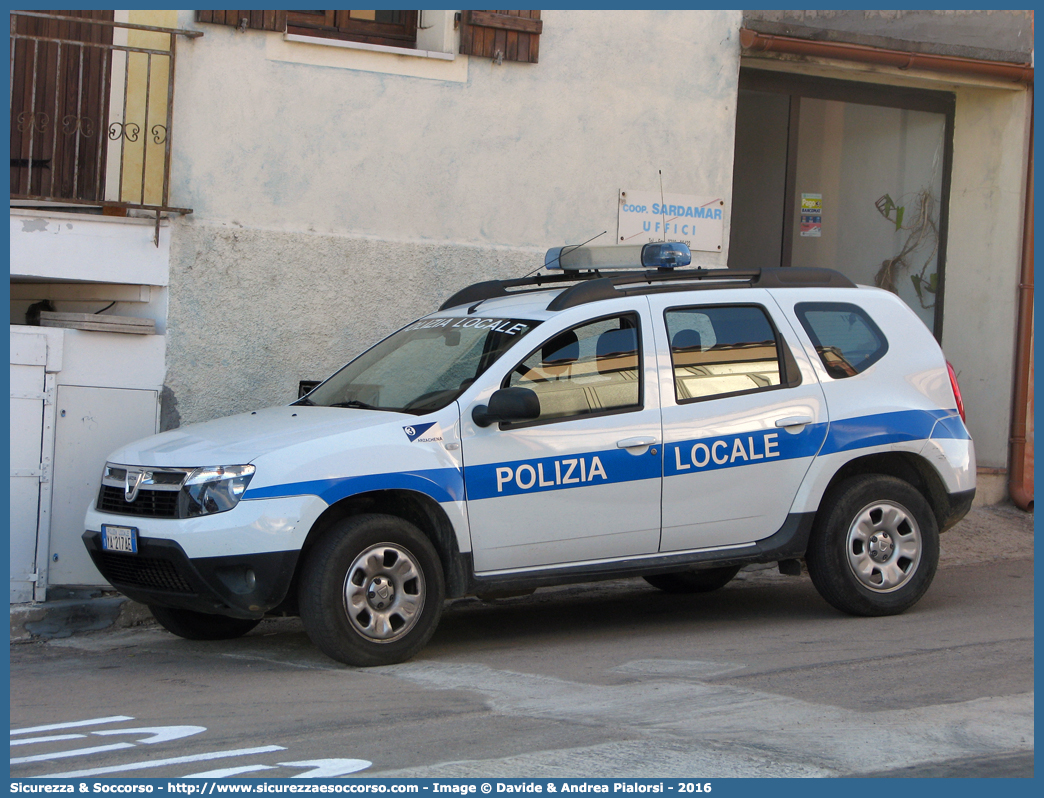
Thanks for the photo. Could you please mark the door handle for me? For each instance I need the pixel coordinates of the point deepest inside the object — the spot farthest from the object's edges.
(632, 443)
(794, 421)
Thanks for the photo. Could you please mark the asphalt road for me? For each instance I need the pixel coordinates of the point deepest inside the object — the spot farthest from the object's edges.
(612, 680)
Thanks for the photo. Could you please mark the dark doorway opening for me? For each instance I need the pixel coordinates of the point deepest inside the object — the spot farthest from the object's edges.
(843, 175)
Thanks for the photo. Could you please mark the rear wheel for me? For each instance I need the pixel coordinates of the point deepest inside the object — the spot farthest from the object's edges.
(702, 581)
(200, 625)
(371, 591)
(874, 547)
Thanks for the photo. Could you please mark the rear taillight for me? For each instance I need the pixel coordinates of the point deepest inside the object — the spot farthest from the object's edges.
(956, 391)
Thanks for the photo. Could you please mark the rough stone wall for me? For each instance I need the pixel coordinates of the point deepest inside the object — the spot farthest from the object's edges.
(254, 311)
(1000, 35)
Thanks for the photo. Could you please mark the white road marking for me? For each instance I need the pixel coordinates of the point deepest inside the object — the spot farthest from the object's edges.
(65, 754)
(51, 739)
(158, 763)
(160, 734)
(227, 772)
(73, 725)
(327, 768)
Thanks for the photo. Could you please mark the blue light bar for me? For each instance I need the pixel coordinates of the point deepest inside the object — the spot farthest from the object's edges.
(664, 255)
(667, 255)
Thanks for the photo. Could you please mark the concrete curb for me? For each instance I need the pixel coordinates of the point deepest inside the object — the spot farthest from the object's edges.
(66, 617)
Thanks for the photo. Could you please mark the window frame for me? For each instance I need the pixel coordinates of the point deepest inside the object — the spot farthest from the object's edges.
(505, 383)
(801, 308)
(334, 24)
(789, 372)
(337, 24)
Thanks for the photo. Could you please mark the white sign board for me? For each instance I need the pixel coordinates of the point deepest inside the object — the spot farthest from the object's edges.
(648, 216)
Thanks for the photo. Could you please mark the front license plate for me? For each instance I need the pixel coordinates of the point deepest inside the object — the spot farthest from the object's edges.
(120, 538)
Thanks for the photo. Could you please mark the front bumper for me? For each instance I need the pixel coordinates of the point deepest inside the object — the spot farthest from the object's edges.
(238, 563)
(241, 586)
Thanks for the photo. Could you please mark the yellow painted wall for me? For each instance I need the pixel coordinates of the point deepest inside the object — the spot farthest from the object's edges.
(146, 93)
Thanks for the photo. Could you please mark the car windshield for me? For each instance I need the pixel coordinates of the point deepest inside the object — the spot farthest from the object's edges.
(423, 367)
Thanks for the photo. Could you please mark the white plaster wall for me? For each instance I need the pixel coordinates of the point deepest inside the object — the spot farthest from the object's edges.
(95, 359)
(983, 259)
(83, 247)
(112, 360)
(518, 155)
(333, 202)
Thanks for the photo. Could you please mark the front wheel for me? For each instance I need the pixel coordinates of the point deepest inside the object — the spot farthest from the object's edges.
(371, 591)
(201, 625)
(874, 547)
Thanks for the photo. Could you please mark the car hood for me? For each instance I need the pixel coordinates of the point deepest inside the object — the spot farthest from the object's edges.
(243, 438)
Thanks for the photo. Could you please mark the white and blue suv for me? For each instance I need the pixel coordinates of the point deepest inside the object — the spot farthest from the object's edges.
(617, 416)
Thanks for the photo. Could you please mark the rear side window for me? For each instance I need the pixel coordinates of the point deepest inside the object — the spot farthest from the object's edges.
(723, 350)
(847, 340)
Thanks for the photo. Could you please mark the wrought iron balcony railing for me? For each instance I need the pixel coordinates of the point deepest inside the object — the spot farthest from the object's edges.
(92, 110)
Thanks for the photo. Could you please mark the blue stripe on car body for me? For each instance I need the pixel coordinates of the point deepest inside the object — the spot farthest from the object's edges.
(611, 466)
(442, 484)
(951, 427)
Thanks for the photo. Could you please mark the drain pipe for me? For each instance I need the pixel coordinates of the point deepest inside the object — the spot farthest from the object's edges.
(1020, 467)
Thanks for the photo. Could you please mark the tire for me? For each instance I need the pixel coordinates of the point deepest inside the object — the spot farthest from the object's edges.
(874, 547)
(371, 591)
(702, 581)
(200, 625)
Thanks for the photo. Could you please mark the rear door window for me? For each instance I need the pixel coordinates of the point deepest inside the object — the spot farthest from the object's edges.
(719, 350)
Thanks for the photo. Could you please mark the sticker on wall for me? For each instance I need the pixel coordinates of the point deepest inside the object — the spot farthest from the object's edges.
(649, 216)
(811, 215)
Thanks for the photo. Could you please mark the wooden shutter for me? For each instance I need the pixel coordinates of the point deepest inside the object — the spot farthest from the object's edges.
(389, 28)
(59, 106)
(501, 35)
(399, 31)
(256, 20)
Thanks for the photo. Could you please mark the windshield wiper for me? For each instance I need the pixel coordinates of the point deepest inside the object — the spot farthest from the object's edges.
(355, 403)
(304, 400)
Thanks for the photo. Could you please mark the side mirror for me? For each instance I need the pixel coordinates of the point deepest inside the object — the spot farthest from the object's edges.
(508, 404)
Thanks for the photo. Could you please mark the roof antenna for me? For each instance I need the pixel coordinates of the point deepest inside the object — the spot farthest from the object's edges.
(663, 210)
(560, 254)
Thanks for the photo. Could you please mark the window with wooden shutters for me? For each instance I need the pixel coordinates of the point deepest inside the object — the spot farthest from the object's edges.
(60, 75)
(389, 28)
(256, 20)
(501, 35)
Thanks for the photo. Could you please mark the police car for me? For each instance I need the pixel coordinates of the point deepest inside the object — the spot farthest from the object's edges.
(618, 415)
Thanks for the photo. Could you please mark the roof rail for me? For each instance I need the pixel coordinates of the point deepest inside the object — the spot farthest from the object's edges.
(479, 292)
(593, 286)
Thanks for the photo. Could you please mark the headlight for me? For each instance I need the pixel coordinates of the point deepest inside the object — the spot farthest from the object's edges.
(215, 489)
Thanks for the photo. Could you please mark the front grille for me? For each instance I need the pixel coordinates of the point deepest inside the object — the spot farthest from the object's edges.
(147, 504)
(135, 571)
